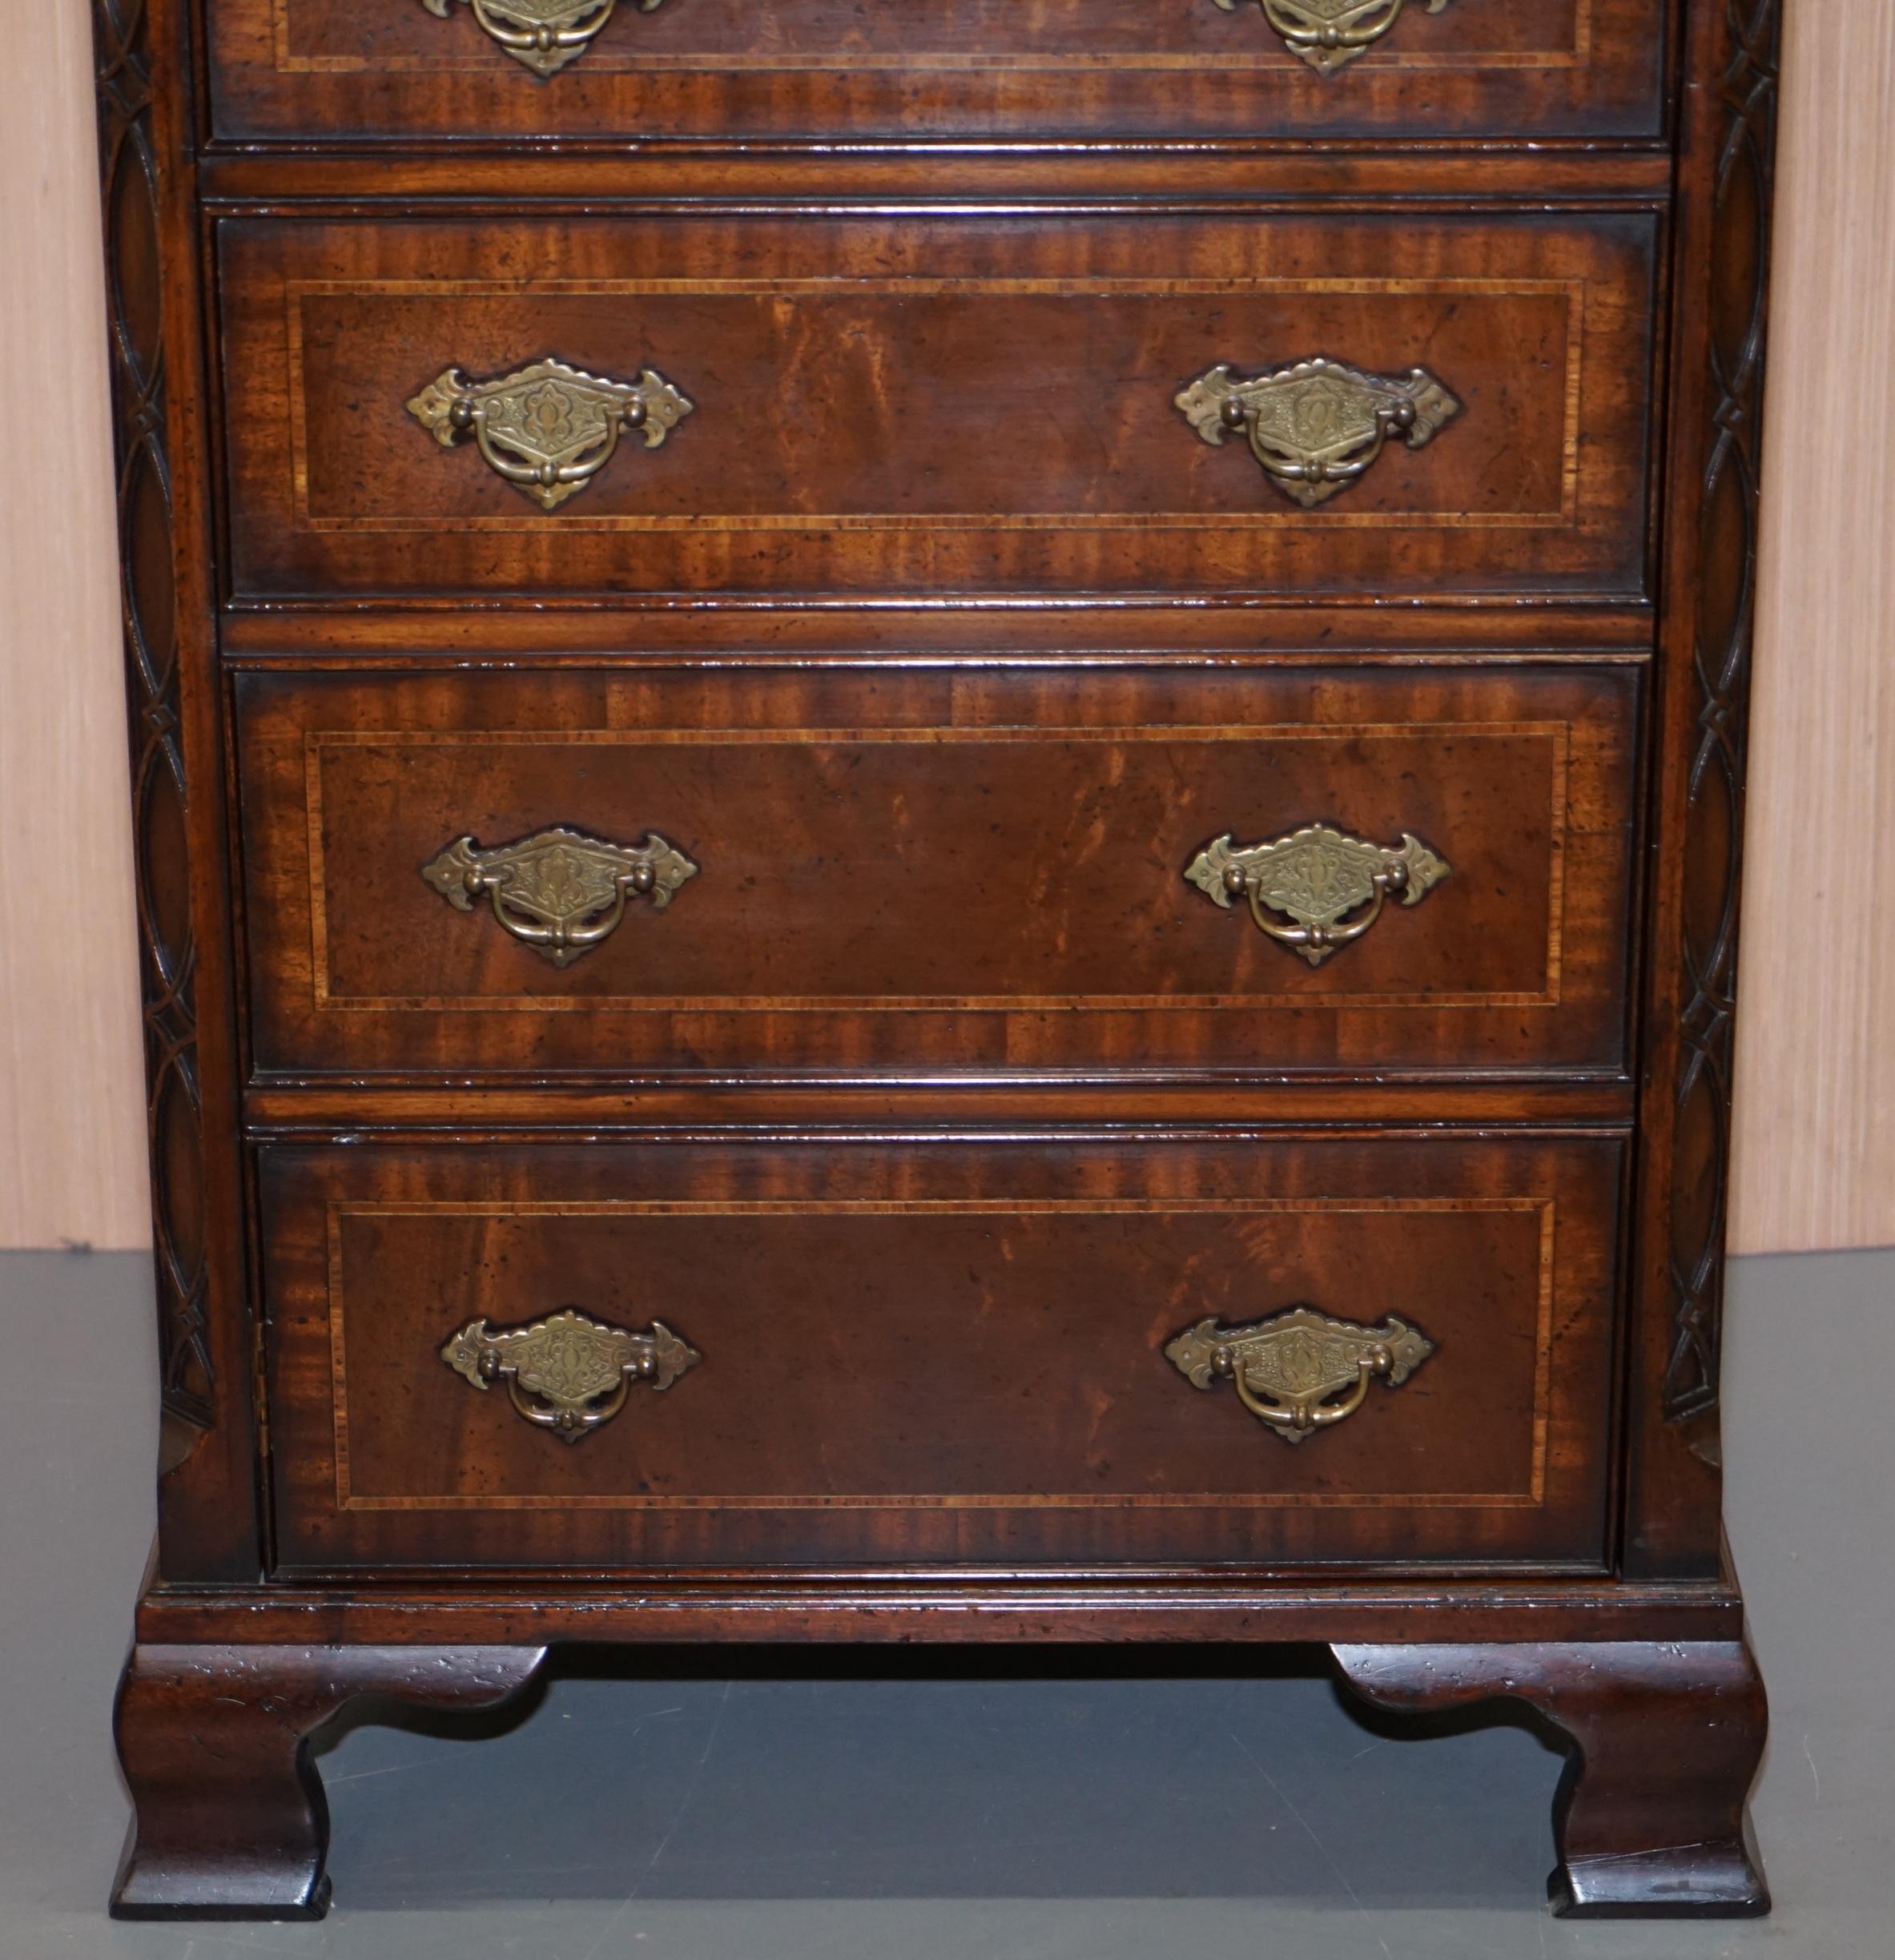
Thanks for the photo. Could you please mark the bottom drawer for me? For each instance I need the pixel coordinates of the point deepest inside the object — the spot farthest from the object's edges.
(881, 1353)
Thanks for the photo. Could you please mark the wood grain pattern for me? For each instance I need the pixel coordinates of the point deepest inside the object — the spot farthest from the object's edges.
(1551, 173)
(637, 631)
(969, 1604)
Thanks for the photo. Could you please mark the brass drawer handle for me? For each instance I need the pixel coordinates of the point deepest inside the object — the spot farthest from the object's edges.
(1318, 426)
(1316, 877)
(545, 34)
(559, 891)
(1329, 34)
(1287, 1371)
(566, 1373)
(549, 429)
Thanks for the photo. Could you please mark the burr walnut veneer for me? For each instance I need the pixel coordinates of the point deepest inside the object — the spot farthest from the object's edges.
(938, 815)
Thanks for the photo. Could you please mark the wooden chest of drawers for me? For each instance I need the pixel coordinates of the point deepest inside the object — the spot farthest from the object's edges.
(939, 814)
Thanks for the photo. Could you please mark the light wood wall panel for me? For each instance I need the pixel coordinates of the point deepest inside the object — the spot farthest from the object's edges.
(71, 1074)
(1816, 1059)
(1816, 1156)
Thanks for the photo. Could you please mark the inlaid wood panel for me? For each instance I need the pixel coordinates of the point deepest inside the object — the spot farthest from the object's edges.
(924, 1351)
(1095, 69)
(969, 871)
(984, 403)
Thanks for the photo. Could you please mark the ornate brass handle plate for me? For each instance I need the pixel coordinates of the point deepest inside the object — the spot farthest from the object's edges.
(559, 891)
(566, 1373)
(1318, 426)
(1318, 880)
(543, 35)
(1329, 34)
(1288, 1370)
(549, 429)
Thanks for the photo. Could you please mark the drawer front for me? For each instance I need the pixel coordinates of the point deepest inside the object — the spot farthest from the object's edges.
(897, 870)
(341, 72)
(911, 404)
(856, 1353)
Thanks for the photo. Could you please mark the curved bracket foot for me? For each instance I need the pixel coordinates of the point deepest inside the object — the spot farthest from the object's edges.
(1664, 1738)
(230, 1821)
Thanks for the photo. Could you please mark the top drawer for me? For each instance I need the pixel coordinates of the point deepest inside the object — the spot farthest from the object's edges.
(809, 70)
(861, 401)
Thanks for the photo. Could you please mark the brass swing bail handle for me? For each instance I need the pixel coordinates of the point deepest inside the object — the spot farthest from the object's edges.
(1317, 426)
(548, 428)
(541, 35)
(1318, 889)
(1330, 37)
(560, 892)
(569, 1373)
(1289, 1371)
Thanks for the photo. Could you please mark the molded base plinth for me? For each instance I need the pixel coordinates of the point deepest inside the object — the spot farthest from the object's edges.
(1663, 1739)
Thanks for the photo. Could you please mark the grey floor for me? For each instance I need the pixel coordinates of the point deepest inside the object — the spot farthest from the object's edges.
(920, 1814)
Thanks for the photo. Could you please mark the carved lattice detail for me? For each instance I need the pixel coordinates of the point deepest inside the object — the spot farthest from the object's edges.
(1726, 617)
(148, 603)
